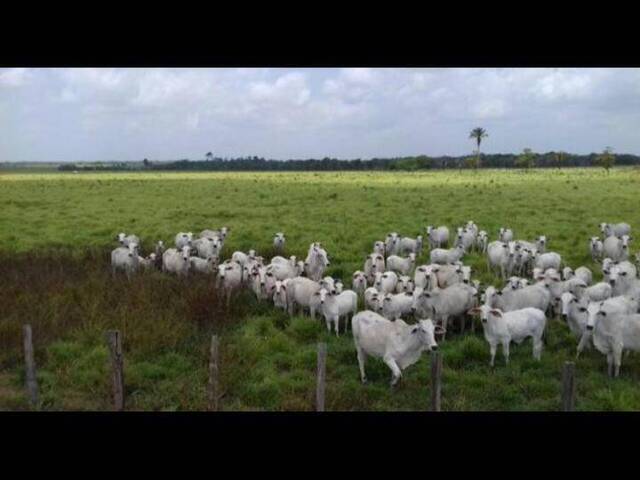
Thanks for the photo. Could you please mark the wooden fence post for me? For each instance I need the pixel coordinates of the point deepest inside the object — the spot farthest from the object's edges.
(321, 374)
(31, 380)
(114, 339)
(436, 380)
(568, 387)
(214, 371)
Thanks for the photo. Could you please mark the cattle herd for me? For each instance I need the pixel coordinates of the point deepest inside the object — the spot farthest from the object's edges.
(394, 290)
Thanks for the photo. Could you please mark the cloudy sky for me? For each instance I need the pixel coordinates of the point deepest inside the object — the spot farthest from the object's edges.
(129, 114)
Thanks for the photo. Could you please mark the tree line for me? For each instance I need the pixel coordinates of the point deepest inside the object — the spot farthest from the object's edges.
(525, 160)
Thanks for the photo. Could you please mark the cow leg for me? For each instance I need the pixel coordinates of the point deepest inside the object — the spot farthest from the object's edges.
(617, 359)
(505, 351)
(397, 373)
(492, 348)
(537, 348)
(610, 364)
(462, 322)
(362, 359)
(445, 324)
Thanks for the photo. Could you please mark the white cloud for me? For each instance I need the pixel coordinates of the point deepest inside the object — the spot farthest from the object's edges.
(361, 112)
(14, 77)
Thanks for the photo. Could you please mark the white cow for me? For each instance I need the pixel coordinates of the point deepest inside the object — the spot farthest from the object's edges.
(618, 229)
(443, 257)
(336, 306)
(505, 235)
(125, 239)
(596, 249)
(617, 248)
(411, 245)
(505, 327)
(279, 241)
(397, 343)
(359, 282)
(386, 282)
(125, 259)
(614, 333)
(177, 261)
(438, 237)
(401, 265)
(183, 239)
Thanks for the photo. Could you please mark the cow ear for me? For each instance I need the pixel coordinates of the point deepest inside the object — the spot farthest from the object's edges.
(439, 330)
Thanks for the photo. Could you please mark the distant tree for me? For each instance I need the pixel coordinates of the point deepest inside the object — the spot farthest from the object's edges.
(606, 159)
(478, 134)
(209, 156)
(559, 159)
(471, 162)
(526, 159)
(146, 163)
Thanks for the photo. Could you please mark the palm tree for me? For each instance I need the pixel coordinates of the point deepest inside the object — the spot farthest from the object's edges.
(478, 133)
(209, 156)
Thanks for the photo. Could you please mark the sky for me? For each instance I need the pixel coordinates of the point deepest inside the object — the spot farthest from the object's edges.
(123, 114)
